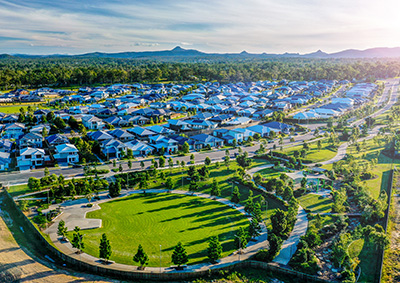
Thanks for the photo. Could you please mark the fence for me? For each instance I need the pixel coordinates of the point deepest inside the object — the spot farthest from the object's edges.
(134, 274)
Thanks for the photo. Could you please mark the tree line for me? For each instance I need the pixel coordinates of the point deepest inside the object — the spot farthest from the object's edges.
(61, 72)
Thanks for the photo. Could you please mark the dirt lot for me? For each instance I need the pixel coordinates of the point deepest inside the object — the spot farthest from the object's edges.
(17, 266)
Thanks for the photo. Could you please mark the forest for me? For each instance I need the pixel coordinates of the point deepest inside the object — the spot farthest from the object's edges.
(72, 71)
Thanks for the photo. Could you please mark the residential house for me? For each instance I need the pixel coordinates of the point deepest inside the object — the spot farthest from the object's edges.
(5, 161)
(66, 153)
(31, 140)
(239, 121)
(92, 122)
(113, 148)
(100, 136)
(5, 145)
(179, 125)
(260, 129)
(31, 158)
(14, 131)
(122, 135)
(139, 148)
(206, 140)
(201, 124)
(160, 142)
(56, 139)
(161, 130)
(278, 127)
(141, 133)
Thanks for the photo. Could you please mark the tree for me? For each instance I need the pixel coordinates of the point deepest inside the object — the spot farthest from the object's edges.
(207, 161)
(44, 132)
(62, 230)
(319, 145)
(59, 123)
(234, 143)
(214, 250)
(114, 189)
(235, 195)
(114, 163)
(279, 222)
(130, 164)
(161, 161)
(142, 164)
(241, 238)
(46, 172)
(77, 240)
(170, 163)
(185, 147)
(179, 256)
(120, 167)
(254, 228)
(168, 184)
(33, 184)
(227, 160)
(192, 158)
(141, 257)
(129, 153)
(215, 189)
(243, 160)
(104, 248)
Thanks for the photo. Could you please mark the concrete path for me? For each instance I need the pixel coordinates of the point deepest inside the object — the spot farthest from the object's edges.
(74, 213)
(289, 246)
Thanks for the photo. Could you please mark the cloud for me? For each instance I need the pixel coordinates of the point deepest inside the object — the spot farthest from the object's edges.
(213, 26)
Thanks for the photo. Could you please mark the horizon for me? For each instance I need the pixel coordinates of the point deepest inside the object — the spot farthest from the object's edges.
(41, 27)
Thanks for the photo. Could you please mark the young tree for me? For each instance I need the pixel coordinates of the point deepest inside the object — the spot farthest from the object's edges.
(161, 161)
(185, 147)
(241, 238)
(62, 230)
(104, 248)
(254, 228)
(192, 158)
(235, 195)
(77, 240)
(120, 167)
(130, 164)
(170, 163)
(142, 164)
(279, 222)
(207, 161)
(179, 256)
(141, 257)
(168, 184)
(214, 249)
(215, 189)
(227, 161)
(114, 163)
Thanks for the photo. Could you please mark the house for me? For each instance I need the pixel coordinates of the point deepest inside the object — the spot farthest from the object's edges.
(38, 129)
(122, 135)
(228, 136)
(31, 140)
(306, 115)
(92, 122)
(134, 120)
(260, 129)
(5, 145)
(9, 119)
(141, 133)
(66, 153)
(246, 133)
(14, 131)
(263, 113)
(160, 142)
(139, 148)
(239, 121)
(31, 158)
(56, 139)
(100, 136)
(161, 130)
(206, 140)
(178, 125)
(278, 127)
(115, 121)
(113, 148)
(193, 145)
(202, 124)
(5, 161)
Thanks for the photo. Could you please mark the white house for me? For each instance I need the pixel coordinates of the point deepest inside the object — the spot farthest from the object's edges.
(92, 122)
(66, 153)
(30, 158)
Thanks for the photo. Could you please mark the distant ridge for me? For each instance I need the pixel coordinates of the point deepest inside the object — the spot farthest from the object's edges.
(179, 53)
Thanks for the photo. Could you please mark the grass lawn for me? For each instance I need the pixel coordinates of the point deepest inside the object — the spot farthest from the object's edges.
(316, 203)
(12, 109)
(163, 219)
(19, 190)
(314, 154)
(368, 256)
(225, 179)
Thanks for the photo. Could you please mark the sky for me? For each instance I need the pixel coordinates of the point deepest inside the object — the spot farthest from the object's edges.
(271, 26)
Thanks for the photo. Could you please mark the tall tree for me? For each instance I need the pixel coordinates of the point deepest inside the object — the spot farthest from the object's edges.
(179, 255)
(77, 240)
(141, 257)
(104, 248)
(214, 250)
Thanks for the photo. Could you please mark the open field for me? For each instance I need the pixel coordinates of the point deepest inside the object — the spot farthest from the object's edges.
(314, 154)
(14, 109)
(316, 203)
(163, 219)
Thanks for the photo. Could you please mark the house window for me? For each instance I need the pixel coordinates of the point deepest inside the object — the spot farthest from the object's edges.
(28, 156)
(38, 156)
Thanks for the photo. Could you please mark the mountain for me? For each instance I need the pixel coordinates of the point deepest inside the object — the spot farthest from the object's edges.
(180, 54)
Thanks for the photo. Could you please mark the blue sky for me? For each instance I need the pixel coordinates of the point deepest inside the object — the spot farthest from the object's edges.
(72, 27)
